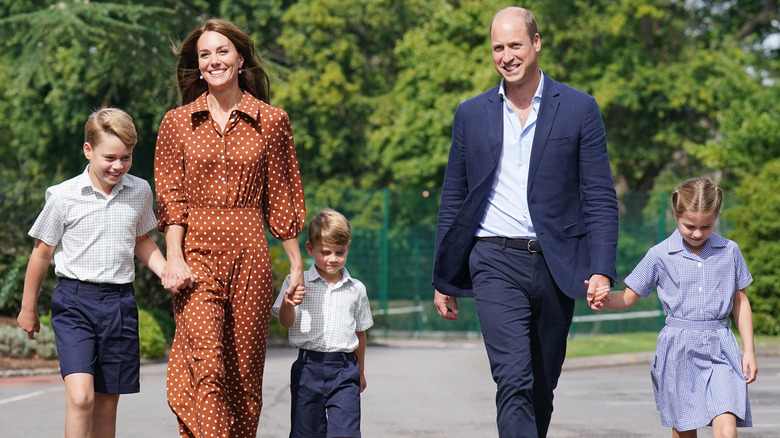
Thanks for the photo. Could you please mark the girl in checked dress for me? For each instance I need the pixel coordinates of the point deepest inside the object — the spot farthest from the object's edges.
(698, 376)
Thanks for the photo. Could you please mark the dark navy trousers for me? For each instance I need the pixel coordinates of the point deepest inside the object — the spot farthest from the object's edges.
(525, 320)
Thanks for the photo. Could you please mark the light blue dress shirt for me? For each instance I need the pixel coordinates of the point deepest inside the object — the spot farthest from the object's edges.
(507, 214)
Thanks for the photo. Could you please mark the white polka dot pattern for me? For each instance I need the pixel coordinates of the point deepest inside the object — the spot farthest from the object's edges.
(222, 186)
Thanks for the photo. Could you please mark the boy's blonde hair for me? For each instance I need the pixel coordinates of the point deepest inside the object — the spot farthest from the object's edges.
(111, 121)
(698, 195)
(329, 227)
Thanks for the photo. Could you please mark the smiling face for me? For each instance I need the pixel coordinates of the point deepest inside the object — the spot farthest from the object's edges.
(515, 52)
(696, 228)
(218, 61)
(109, 160)
(329, 259)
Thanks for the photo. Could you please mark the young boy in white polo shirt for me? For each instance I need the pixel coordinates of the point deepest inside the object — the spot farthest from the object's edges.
(93, 225)
(328, 323)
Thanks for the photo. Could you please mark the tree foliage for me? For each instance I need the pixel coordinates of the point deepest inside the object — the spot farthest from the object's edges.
(685, 88)
(757, 231)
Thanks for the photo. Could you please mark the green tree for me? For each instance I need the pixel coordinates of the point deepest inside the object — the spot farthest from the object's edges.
(757, 231)
(441, 63)
(70, 57)
(339, 59)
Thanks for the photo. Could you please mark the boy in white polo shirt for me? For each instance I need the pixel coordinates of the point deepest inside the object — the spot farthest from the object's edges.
(328, 323)
(93, 225)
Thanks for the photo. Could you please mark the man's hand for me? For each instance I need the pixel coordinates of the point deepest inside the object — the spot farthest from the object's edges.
(446, 305)
(600, 298)
(596, 281)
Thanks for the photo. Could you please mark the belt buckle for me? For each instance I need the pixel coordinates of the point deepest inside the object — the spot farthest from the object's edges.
(530, 241)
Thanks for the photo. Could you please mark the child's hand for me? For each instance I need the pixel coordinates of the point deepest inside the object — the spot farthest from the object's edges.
(599, 299)
(295, 296)
(29, 322)
(362, 382)
(177, 275)
(749, 367)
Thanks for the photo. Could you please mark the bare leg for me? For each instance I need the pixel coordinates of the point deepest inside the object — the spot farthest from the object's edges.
(104, 415)
(684, 434)
(724, 426)
(79, 404)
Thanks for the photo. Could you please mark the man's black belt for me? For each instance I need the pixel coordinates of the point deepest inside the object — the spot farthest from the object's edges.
(529, 245)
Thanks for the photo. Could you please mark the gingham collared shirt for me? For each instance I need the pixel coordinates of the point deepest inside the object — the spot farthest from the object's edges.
(328, 317)
(693, 287)
(94, 233)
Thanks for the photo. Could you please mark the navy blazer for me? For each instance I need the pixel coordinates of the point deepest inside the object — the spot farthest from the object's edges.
(571, 195)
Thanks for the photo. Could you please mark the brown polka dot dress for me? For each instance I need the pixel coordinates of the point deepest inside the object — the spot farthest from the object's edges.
(223, 186)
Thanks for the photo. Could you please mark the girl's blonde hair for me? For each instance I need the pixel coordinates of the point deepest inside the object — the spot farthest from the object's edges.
(698, 195)
(113, 121)
(329, 227)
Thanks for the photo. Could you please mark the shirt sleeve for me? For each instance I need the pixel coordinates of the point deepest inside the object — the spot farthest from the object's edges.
(283, 203)
(645, 275)
(50, 224)
(363, 318)
(147, 219)
(169, 175)
(743, 274)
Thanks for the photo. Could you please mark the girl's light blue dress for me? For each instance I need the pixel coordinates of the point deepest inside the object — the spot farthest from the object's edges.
(697, 369)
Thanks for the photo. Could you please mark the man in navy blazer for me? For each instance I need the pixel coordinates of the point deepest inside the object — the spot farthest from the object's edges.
(528, 221)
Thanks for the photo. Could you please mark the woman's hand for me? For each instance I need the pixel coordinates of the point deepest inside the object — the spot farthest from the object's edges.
(177, 275)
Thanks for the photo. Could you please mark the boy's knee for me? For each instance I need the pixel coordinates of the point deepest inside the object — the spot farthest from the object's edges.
(80, 399)
(80, 391)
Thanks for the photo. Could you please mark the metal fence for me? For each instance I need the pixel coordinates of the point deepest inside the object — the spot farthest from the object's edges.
(392, 253)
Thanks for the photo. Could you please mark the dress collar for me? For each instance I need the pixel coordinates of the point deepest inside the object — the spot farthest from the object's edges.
(248, 105)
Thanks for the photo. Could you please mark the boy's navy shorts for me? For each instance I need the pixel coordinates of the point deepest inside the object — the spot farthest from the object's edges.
(96, 330)
(325, 390)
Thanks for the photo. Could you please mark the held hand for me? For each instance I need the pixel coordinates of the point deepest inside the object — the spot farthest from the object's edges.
(177, 275)
(446, 305)
(749, 367)
(29, 322)
(598, 297)
(296, 296)
(596, 281)
(297, 288)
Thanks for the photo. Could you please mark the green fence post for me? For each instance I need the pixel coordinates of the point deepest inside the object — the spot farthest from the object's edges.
(660, 236)
(384, 258)
(661, 230)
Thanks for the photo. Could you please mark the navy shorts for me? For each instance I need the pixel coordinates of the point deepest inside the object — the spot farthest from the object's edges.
(96, 330)
(325, 391)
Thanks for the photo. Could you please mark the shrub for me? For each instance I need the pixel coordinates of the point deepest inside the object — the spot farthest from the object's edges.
(153, 342)
(15, 343)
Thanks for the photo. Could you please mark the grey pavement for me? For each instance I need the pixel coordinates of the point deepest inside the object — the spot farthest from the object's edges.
(415, 389)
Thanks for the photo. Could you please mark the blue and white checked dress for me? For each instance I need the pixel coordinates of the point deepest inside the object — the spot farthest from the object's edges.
(697, 369)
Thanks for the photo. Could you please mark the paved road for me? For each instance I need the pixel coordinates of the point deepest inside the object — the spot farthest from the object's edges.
(415, 389)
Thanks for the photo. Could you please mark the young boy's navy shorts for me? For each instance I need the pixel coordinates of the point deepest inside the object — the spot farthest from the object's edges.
(96, 331)
(325, 390)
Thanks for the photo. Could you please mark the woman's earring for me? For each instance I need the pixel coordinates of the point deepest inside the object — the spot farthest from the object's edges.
(240, 71)
(201, 76)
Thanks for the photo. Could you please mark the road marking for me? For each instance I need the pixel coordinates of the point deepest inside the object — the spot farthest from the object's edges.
(26, 396)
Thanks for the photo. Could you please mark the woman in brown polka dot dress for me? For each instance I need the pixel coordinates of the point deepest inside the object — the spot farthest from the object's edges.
(224, 165)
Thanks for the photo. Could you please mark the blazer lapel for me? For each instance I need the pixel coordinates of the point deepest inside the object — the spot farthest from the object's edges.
(548, 108)
(494, 115)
